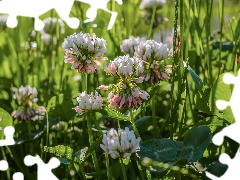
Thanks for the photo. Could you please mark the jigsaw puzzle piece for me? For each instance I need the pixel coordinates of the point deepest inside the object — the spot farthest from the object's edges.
(3, 165)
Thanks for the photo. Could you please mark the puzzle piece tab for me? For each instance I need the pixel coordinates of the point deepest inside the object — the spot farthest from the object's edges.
(35, 8)
(8, 132)
(44, 170)
(231, 131)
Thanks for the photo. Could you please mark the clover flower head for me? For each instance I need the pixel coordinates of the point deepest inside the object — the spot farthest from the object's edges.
(128, 45)
(134, 98)
(28, 108)
(26, 96)
(149, 4)
(125, 66)
(121, 143)
(88, 102)
(84, 51)
(153, 55)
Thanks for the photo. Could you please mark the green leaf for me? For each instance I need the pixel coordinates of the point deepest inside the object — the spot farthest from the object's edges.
(221, 91)
(140, 121)
(196, 141)
(95, 145)
(5, 120)
(114, 114)
(197, 80)
(161, 150)
(202, 102)
(61, 106)
(63, 160)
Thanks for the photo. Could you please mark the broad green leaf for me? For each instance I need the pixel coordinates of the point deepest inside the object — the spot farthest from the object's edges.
(196, 141)
(61, 106)
(221, 91)
(114, 114)
(202, 102)
(5, 120)
(161, 150)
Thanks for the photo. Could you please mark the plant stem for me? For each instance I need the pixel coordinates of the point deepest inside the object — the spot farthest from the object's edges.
(5, 158)
(94, 156)
(155, 135)
(106, 155)
(143, 177)
(109, 175)
(152, 20)
(123, 169)
(133, 123)
(47, 133)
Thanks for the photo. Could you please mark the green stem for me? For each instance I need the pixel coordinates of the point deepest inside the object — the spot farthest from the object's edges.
(152, 20)
(123, 169)
(133, 123)
(47, 135)
(106, 155)
(5, 158)
(94, 156)
(143, 177)
(155, 135)
(109, 175)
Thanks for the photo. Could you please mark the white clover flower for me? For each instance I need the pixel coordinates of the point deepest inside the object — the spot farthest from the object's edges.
(46, 38)
(149, 4)
(50, 25)
(120, 144)
(128, 45)
(84, 51)
(125, 66)
(60, 126)
(27, 101)
(153, 55)
(88, 102)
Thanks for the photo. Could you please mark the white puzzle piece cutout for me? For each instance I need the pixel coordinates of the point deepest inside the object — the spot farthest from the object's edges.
(36, 8)
(100, 4)
(231, 131)
(3, 165)
(44, 170)
(8, 132)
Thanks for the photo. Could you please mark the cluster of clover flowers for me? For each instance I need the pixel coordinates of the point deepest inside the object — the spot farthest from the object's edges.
(143, 62)
(28, 109)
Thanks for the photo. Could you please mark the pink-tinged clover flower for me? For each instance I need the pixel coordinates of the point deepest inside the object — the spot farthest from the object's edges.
(121, 143)
(128, 45)
(153, 55)
(132, 99)
(88, 102)
(28, 108)
(125, 93)
(84, 52)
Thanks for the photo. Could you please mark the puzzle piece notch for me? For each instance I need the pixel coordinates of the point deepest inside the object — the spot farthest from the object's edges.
(230, 131)
(44, 170)
(100, 4)
(233, 167)
(8, 132)
(36, 8)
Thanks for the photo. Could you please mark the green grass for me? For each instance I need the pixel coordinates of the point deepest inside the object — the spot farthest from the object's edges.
(174, 111)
